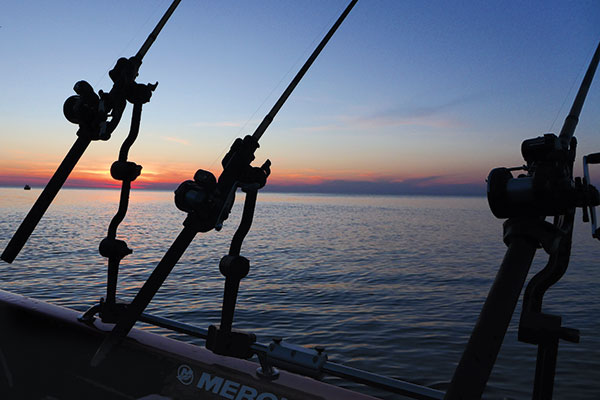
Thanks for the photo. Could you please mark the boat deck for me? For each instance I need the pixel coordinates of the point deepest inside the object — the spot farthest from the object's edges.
(45, 353)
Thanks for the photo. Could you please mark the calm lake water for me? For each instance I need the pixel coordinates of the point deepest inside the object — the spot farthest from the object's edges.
(392, 285)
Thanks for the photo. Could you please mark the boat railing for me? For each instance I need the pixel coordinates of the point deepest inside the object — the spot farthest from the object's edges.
(293, 358)
(304, 361)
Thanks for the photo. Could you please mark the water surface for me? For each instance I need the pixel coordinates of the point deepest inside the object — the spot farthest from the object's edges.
(392, 285)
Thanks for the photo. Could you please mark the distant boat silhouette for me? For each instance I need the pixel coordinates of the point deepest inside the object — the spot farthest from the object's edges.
(27, 187)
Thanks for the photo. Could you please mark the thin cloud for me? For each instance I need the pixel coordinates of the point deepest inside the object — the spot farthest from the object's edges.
(346, 123)
(416, 186)
(176, 140)
(223, 124)
(422, 181)
(430, 116)
(397, 120)
(433, 116)
(92, 171)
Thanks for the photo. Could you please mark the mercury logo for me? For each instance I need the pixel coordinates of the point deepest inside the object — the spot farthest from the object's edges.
(225, 388)
(185, 374)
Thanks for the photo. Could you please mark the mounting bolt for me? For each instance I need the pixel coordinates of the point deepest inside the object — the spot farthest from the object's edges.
(277, 339)
(320, 349)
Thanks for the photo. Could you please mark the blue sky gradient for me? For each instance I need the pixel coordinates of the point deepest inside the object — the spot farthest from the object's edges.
(412, 95)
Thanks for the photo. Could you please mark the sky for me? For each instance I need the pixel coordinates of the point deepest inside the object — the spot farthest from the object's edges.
(408, 96)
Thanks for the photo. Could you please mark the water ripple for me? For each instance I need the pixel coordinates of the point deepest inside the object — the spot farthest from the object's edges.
(393, 285)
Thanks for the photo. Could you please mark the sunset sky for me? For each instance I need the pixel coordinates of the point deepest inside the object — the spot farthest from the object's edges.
(408, 97)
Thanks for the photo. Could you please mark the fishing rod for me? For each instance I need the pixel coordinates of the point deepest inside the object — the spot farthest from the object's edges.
(208, 202)
(547, 188)
(97, 116)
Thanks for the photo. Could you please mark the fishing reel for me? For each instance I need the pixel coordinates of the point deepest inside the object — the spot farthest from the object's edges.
(87, 110)
(210, 201)
(197, 197)
(547, 187)
(91, 111)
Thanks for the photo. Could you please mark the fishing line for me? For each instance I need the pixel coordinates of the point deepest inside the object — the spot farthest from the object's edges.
(301, 57)
(568, 94)
(128, 45)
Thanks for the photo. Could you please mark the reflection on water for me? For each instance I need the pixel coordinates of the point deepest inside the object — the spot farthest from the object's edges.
(388, 284)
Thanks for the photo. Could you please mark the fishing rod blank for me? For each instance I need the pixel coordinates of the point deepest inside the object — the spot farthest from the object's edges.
(154, 34)
(269, 117)
(568, 129)
(208, 202)
(36, 213)
(91, 112)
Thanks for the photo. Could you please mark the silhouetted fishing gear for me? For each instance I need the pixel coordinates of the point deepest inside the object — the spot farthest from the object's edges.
(110, 247)
(547, 189)
(126, 172)
(208, 202)
(91, 112)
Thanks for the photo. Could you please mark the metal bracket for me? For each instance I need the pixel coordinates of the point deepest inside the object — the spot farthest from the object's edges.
(293, 358)
(89, 316)
(590, 159)
(266, 370)
(541, 232)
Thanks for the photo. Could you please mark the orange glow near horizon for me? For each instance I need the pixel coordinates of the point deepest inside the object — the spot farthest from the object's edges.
(161, 176)
(150, 178)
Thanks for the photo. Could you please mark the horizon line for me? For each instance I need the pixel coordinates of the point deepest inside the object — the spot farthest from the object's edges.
(333, 187)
